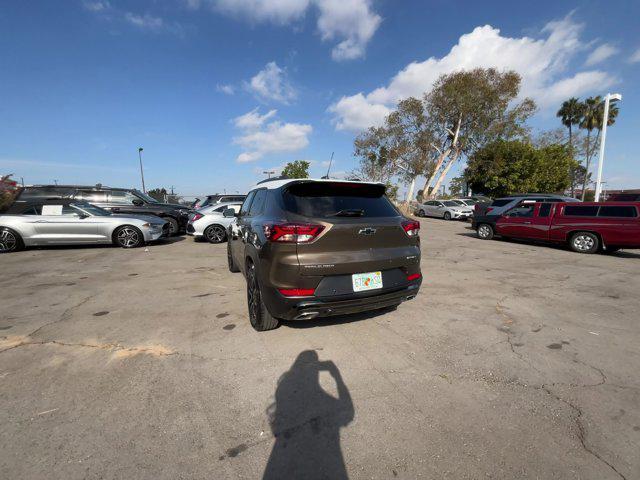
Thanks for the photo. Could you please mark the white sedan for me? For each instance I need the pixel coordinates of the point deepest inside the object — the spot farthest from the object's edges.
(446, 209)
(210, 224)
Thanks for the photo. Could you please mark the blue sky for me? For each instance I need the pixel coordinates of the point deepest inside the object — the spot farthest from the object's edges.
(216, 91)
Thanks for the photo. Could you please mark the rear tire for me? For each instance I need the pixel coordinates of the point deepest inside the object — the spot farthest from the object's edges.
(584, 242)
(260, 318)
(233, 268)
(128, 236)
(215, 234)
(10, 240)
(447, 216)
(485, 231)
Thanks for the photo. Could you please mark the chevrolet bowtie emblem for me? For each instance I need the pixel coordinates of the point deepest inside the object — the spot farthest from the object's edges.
(367, 231)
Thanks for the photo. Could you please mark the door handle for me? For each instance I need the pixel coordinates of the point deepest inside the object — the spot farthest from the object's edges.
(527, 223)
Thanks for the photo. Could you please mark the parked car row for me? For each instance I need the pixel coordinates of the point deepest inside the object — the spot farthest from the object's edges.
(73, 222)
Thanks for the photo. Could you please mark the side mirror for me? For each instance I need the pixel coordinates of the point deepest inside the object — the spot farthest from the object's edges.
(82, 216)
(229, 213)
(138, 203)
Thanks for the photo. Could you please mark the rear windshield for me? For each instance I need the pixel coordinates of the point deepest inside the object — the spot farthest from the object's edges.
(324, 200)
(501, 202)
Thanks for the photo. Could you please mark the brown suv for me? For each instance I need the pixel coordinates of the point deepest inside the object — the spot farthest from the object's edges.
(315, 248)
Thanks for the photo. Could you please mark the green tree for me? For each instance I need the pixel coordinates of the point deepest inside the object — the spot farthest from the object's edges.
(158, 193)
(570, 114)
(592, 119)
(506, 167)
(469, 109)
(296, 169)
(372, 148)
(457, 186)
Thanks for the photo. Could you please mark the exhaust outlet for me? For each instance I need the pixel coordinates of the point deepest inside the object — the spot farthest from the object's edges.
(306, 316)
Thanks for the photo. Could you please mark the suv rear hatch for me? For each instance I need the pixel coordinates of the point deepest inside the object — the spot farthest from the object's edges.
(362, 230)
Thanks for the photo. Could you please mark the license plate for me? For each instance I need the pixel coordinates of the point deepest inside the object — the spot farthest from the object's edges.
(366, 281)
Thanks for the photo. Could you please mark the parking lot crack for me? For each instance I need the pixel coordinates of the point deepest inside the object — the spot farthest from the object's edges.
(582, 434)
(65, 315)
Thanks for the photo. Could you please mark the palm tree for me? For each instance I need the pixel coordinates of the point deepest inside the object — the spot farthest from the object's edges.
(570, 114)
(592, 119)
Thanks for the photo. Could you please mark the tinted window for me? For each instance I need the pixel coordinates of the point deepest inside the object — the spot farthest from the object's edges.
(450, 204)
(522, 211)
(545, 208)
(580, 211)
(326, 199)
(501, 202)
(91, 196)
(257, 206)
(220, 209)
(33, 210)
(120, 196)
(617, 211)
(46, 192)
(247, 203)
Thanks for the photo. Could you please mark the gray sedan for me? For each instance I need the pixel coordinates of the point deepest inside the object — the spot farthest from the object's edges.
(68, 222)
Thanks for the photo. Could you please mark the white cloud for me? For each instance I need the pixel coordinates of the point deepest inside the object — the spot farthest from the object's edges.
(351, 22)
(271, 84)
(253, 120)
(145, 22)
(262, 136)
(542, 63)
(635, 56)
(226, 89)
(600, 54)
(96, 6)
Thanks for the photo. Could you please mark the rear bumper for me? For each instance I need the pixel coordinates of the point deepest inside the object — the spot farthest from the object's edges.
(306, 308)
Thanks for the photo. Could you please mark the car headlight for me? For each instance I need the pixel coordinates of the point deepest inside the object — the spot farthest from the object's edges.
(146, 225)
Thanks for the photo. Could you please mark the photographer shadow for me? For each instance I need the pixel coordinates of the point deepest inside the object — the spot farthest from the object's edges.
(306, 421)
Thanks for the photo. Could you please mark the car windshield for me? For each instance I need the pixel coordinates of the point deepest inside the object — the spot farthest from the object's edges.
(145, 197)
(91, 209)
(451, 203)
(328, 199)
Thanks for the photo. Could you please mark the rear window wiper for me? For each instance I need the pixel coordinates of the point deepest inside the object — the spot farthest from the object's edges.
(353, 212)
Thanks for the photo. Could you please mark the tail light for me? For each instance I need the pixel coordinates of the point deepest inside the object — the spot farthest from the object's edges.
(292, 232)
(413, 276)
(197, 216)
(411, 228)
(297, 292)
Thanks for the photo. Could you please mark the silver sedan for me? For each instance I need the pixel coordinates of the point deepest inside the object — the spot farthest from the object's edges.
(446, 209)
(66, 222)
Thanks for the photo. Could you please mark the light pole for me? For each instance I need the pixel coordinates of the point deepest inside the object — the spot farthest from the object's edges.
(141, 171)
(605, 120)
(269, 173)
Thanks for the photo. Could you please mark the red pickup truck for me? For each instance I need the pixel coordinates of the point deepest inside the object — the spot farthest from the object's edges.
(587, 227)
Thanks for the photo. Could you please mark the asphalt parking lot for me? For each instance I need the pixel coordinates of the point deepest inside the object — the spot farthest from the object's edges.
(514, 361)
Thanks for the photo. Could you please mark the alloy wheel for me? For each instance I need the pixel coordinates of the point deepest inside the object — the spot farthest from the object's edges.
(253, 296)
(583, 243)
(128, 237)
(215, 234)
(8, 241)
(484, 231)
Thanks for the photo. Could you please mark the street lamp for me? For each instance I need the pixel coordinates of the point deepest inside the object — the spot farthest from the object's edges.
(605, 120)
(141, 171)
(269, 173)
